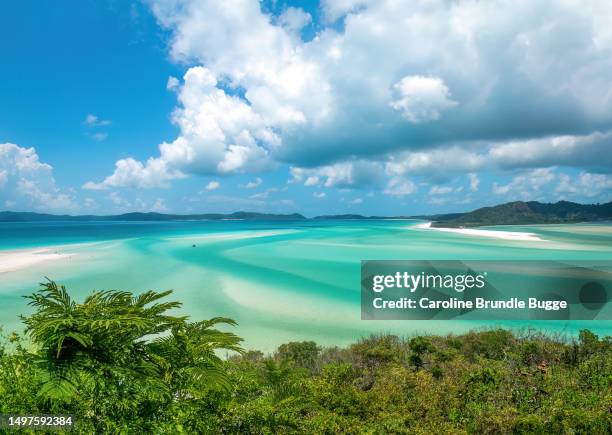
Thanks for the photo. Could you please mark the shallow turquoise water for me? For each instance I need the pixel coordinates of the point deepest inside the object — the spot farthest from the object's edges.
(280, 280)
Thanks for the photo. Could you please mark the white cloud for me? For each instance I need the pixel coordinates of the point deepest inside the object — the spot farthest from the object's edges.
(173, 83)
(266, 193)
(94, 121)
(99, 137)
(421, 99)
(254, 183)
(399, 186)
(584, 185)
(438, 200)
(474, 182)
(261, 195)
(588, 151)
(27, 182)
(334, 9)
(45, 197)
(313, 180)
(117, 199)
(90, 203)
(595, 182)
(566, 185)
(319, 195)
(159, 206)
(441, 163)
(220, 133)
(132, 173)
(213, 185)
(526, 185)
(356, 201)
(440, 190)
(353, 174)
(592, 150)
(123, 204)
(294, 19)
(256, 94)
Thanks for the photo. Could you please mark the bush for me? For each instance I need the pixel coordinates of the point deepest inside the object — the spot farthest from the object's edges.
(302, 354)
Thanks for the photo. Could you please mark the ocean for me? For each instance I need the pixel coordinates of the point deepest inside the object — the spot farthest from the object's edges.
(281, 281)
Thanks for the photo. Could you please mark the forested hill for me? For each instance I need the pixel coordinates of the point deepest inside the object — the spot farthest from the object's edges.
(527, 213)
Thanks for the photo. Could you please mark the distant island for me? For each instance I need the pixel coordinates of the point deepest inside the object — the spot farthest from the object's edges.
(13, 216)
(526, 213)
(511, 213)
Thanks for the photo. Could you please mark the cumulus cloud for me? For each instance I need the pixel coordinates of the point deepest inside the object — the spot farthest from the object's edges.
(220, 133)
(584, 185)
(294, 19)
(527, 185)
(587, 151)
(117, 199)
(173, 83)
(592, 151)
(437, 164)
(213, 185)
(353, 174)
(27, 182)
(312, 180)
(254, 183)
(132, 173)
(3, 178)
(335, 9)
(421, 99)
(427, 88)
(123, 204)
(399, 186)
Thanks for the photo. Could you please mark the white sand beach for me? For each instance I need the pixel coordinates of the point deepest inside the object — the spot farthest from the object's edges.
(505, 235)
(11, 261)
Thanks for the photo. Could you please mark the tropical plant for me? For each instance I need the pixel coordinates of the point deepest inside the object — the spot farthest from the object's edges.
(190, 362)
(120, 354)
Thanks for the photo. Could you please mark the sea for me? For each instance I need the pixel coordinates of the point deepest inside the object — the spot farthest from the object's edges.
(280, 280)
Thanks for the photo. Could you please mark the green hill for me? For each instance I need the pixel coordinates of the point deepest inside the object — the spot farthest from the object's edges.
(528, 213)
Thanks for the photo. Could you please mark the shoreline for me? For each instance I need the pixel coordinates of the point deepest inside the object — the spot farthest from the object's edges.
(14, 260)
(494, 234)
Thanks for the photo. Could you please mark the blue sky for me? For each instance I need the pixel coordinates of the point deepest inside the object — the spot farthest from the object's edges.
(343, 106)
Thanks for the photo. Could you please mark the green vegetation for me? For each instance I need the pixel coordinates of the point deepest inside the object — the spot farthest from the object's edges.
(527, 213)
(123, 364)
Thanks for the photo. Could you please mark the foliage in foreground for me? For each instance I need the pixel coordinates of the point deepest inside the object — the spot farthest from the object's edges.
(121, 363)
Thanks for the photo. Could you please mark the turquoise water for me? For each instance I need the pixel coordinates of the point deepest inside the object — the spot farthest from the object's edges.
(281, 281)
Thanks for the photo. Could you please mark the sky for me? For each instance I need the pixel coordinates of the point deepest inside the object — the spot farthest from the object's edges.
(377, 107)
